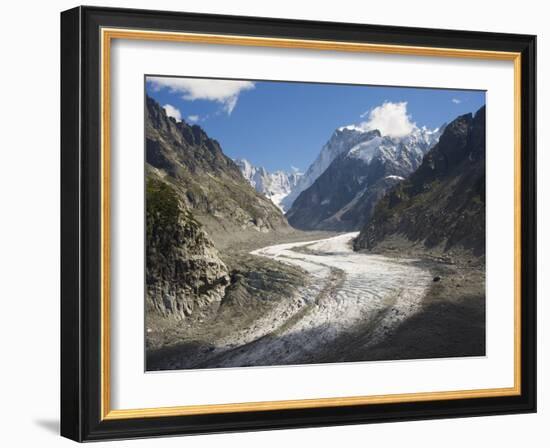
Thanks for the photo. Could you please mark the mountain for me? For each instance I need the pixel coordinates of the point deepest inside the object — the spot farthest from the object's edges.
(341, 141)
(275, 186)
(196, 202)
(344, 195)
(207, 182)
(442, 204)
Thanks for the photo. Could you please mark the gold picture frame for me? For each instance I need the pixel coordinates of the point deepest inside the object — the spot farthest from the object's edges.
(108, 30)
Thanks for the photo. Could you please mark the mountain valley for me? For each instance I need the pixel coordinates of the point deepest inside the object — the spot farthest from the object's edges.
(373, 253)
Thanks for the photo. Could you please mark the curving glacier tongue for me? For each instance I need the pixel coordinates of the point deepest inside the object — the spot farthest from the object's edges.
(348, 290)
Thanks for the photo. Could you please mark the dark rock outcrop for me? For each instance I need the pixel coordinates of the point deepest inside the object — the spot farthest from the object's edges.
(442, 204)
(183, 270)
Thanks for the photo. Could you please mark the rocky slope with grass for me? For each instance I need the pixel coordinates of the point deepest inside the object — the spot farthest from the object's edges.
(196, 201)
(208, 182)
(442, 204)
(184, 271)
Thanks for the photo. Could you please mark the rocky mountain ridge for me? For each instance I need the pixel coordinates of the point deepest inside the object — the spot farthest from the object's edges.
(343, 196)
(276, 185)
(442, 204)
(209, 183)
(196, 201)
(341, 140)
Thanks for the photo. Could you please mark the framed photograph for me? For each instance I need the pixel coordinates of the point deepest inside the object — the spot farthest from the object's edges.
(276, 224)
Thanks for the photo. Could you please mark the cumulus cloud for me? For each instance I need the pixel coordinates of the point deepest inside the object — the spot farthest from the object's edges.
(456, 101)
(193, 118)
(390, 119)
(225, 92)
(172, 111)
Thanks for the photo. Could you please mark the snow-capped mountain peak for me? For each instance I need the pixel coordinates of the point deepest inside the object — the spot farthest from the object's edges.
(352, 141)
(341, 141)
(409, 149)
(275, 186)
(362, 166)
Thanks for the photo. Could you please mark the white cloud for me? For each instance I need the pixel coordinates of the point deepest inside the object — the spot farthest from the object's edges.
(173, 112)
(390, 119)
(456, 101)
(193, 118)
(223, 91)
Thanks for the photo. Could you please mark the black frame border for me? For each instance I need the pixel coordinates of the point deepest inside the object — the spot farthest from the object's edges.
(81, 223)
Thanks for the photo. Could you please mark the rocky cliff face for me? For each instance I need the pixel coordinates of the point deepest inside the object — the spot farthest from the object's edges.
(344, 195)
(196, 201)
(183, 270)
(208, 182)
(341, 141)
(276, 185)
(442, 204)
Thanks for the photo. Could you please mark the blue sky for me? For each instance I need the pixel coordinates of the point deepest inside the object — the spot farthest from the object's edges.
(280, 125)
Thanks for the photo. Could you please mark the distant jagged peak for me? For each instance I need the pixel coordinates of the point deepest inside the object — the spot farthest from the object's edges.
(274, 185)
